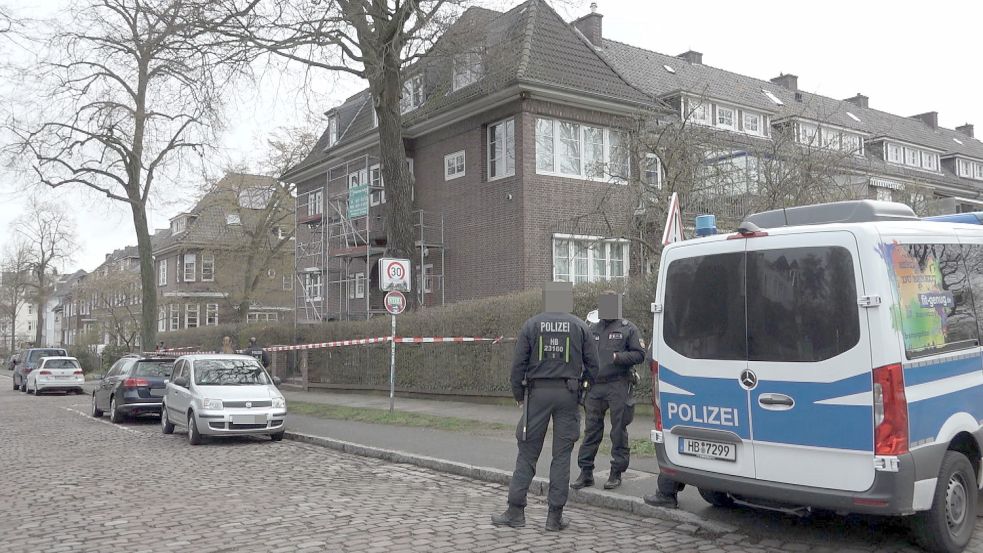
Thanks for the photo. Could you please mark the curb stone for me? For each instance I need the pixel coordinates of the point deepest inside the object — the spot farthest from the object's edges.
(540, 486)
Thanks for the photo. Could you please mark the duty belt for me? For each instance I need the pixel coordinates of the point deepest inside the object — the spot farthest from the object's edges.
(549, 382)
(611, 379)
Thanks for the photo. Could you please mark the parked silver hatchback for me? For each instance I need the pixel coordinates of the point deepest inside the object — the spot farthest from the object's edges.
(218, 395)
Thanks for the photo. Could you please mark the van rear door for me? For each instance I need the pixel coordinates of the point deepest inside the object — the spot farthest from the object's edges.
(701, 348)
(810, 355)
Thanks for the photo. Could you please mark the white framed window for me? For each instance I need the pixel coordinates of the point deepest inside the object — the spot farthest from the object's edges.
(261, 317)
(753, 123)
(377, 189)
(808, 134)
(358, 287)
(698, 111)
(652, 171)
(978, 170)
(313, 286)
(178, 225)
(501, 149)
(454, 165)
(568, 149)
(315, 202)
(191, 312)
(589, 259)
(162, 273)
(332, 130)
(162, 319)
(175, 316)
(912, 157)
(852, 143)
(467, 69)
(207, 268)
(930, 161)
(726, 118)
(883, 194)
(211, 314)
(190, 267)
(287, 282)
(831, 138)
(412, 97)
(895, 153)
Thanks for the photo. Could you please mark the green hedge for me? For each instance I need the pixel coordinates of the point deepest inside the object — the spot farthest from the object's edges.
(458, 369)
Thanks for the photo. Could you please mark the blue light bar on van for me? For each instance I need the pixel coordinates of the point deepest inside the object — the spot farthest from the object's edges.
(974, 218)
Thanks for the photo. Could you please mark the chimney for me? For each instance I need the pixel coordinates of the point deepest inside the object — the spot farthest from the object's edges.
(692, 57)
(930, 118)
(788, 81)
(590, 26)
(859, 100)
(966, 129)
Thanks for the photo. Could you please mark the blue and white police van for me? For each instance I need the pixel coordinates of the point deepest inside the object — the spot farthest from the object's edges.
(826, 357)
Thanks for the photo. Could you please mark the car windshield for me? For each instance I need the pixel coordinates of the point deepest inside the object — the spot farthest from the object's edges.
(39, 353)
(153, 367)
(229, 372)
(61, 364)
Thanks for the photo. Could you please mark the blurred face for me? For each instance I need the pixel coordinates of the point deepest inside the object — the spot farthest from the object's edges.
(609, 306)
(558, 297)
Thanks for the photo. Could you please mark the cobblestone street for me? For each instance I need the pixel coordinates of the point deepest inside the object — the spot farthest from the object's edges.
(72, 483)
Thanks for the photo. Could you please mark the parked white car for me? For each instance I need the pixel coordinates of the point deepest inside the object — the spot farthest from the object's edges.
(62, 374)
(221, 395)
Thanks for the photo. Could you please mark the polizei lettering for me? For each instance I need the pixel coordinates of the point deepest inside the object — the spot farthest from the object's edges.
(554, 326)
(706, 414)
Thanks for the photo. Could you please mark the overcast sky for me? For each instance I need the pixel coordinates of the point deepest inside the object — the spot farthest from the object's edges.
(907, 61)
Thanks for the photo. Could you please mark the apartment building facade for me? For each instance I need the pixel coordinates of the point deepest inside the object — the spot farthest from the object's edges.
(517, 146)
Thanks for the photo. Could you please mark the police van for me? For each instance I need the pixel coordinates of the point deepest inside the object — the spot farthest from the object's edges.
(827, 357)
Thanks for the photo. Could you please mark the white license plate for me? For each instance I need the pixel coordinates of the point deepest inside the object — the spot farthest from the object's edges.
(708, 450)
(248, 419)
(63, 376)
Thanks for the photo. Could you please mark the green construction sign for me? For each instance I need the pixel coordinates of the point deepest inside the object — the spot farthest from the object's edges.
(358, 201)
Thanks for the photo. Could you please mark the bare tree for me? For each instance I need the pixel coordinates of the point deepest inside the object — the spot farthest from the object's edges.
(117, 306)
(370, 39)
(130, 92)
(14, 283)
(49, 236)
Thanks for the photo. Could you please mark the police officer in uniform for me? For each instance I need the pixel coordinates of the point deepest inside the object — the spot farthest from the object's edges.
(553, 352)
(619, 348)
(258, 352)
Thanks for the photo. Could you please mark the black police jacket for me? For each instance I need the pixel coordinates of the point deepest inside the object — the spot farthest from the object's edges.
(553, 345)
(619, 348)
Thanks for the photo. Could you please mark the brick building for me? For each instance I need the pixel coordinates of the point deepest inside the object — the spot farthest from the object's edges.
(514, 134)
(230, 253)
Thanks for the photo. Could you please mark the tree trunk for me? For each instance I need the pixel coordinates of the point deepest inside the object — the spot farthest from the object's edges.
(42, 300)
(13, 329)
(148, 284)
(400, 240)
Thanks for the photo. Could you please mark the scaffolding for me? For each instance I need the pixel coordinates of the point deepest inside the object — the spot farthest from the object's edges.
(309, 296)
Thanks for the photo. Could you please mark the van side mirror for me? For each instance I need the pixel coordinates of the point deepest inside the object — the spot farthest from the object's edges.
(277, 381)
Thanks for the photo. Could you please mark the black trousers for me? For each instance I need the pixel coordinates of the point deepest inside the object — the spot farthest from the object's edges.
(668, 486)
(613, 397)
(545, 403)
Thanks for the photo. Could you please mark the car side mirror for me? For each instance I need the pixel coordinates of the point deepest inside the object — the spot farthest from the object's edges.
(181, 381)
(277, 381)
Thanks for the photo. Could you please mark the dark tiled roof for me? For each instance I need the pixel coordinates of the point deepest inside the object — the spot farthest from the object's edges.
(528, 44)
(645, 69)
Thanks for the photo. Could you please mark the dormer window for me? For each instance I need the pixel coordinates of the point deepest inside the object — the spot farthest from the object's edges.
(467, 69)
(412, 94)
(969, 169)
(179, 224)
(912, 156)
(727, 118)
(332, 130)
(699, 112)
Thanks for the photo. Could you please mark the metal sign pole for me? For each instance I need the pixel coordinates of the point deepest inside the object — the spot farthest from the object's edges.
(392, 368)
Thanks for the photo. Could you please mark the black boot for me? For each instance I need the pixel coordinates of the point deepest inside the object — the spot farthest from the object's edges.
(585, 480)
(662, 500)
(514, 516)
(555, 521)
(614, 480)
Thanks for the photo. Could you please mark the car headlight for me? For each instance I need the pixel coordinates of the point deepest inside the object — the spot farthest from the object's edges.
(212, 404)
(279, 403)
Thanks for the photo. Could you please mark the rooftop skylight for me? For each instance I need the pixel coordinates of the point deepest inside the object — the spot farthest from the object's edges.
(854, 117)
(956, 140)
(772, 97)
(669, 68)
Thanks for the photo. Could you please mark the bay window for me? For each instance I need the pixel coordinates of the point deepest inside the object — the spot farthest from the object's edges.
(589, 259)
(565, 148)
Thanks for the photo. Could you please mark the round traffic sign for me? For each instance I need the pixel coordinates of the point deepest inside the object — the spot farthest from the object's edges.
(395, 270)
(395, 302)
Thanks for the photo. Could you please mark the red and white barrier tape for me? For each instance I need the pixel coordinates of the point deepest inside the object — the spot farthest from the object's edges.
(363, 342)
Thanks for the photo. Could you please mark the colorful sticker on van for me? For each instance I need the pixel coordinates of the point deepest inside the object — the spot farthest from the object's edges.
(924, 300)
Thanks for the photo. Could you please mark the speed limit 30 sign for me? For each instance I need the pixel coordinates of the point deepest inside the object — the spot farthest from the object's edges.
(394, 274)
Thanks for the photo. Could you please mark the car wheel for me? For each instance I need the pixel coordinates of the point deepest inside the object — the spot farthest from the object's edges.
(114, 414)
(79, 391)
(717, 499)
(165, 424)
(276, 437)
(194, 438)
(96, 411)
(948, 526)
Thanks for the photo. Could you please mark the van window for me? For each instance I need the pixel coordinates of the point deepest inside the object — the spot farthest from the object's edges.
(802, 304)
(973, 258)
(37, 354)
(935, 302)
(704, 313)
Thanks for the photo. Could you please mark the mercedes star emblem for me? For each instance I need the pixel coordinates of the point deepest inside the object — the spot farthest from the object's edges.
(748, 379)
(249, 404)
